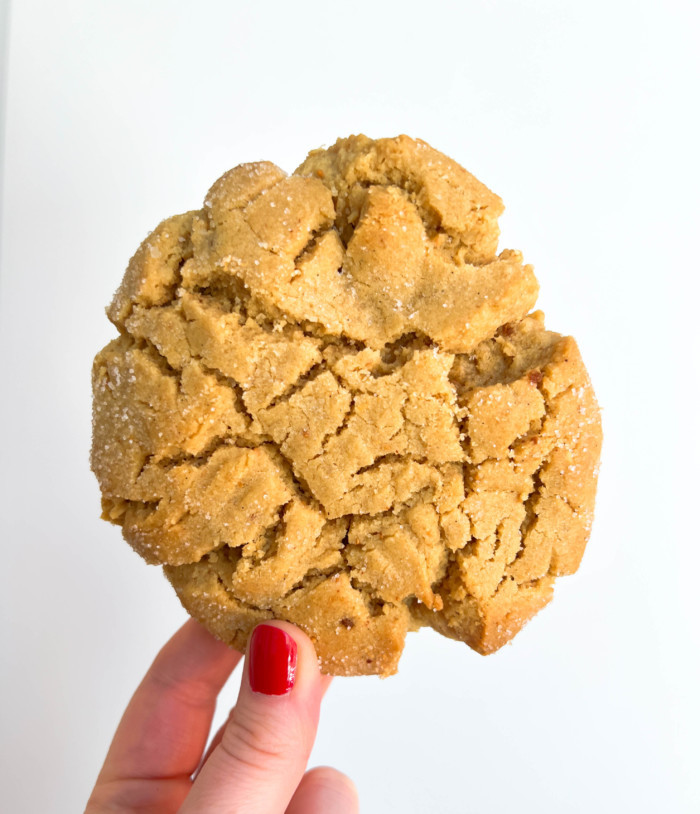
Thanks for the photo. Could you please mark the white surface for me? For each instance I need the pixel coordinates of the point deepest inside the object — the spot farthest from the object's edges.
(583, 117)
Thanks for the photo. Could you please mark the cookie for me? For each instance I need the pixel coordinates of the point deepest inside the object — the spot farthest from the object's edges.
(330, 402)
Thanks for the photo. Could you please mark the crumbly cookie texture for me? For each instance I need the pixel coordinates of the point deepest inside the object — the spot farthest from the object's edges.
(329, 403)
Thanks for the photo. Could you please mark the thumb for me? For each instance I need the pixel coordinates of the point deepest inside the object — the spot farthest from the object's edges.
(267, 741)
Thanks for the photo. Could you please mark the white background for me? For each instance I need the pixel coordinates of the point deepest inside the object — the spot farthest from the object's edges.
(584, 118)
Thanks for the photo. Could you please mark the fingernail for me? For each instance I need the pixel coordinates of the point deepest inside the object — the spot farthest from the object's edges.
(272, 656)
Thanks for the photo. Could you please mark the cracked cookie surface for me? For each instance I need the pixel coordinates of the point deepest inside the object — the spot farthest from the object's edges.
(329, 403)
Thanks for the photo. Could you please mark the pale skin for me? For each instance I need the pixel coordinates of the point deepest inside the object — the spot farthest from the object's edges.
(256, 763)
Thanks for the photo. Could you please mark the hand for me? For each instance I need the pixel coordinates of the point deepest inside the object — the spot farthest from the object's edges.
(256, 761)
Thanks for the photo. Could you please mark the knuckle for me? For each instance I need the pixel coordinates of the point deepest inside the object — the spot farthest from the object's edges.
(332, 780)
(256, 740)
(123, 795)
(191, 692)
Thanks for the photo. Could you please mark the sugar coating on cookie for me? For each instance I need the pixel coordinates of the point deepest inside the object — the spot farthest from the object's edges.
(330, 402)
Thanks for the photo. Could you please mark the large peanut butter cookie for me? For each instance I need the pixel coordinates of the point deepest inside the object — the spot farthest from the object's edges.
(329, 403)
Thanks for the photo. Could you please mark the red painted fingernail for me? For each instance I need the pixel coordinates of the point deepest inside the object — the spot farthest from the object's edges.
(272, 657)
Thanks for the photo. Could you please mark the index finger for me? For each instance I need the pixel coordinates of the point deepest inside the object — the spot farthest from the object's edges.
(164, 730)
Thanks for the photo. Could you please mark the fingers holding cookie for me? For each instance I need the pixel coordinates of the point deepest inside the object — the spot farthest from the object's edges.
(264, 748)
